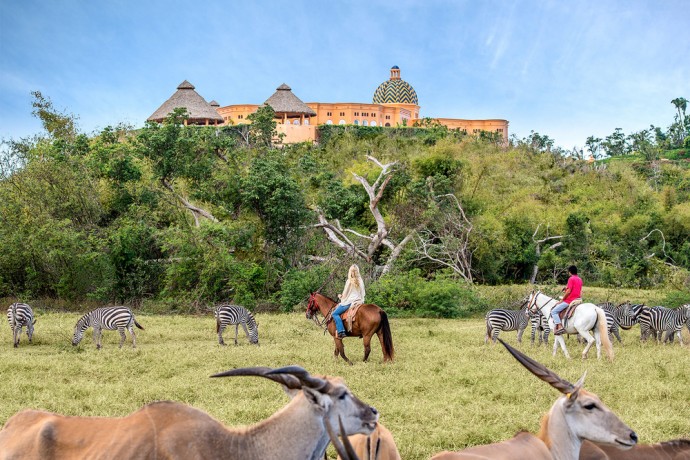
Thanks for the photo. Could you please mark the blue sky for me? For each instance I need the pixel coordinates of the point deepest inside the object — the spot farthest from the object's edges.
(568, 69)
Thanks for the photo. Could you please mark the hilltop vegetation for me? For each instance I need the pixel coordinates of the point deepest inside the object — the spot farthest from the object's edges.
(187, 216)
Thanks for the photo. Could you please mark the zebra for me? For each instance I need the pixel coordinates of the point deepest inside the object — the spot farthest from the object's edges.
(110, 318)
(660, 319)
(498, 320)
(612, 313)
(540, 323)
(235, 314)
(20, 315)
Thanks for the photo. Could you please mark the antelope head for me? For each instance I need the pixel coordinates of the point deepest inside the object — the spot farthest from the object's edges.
(586, 417)
(329, 397)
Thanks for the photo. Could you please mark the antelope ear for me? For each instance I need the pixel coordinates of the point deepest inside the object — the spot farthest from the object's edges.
(320, 401)
(579, 384)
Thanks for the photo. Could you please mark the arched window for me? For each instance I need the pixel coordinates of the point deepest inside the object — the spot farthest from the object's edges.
(329, 122)
(306, 122)
(388, 124)
(373, 123)
(365, 123)
(296, 122)
(356, 122)
(341, 122)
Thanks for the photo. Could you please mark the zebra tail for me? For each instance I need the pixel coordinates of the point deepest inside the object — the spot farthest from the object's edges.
(137, 324)
(217, 323)
(604, 333)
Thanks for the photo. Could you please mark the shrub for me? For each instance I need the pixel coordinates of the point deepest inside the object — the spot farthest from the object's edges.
(410, 294)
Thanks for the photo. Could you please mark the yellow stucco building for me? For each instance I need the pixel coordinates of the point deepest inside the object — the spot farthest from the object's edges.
(394, 103)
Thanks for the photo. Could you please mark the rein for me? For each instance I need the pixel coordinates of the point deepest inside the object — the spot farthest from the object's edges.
(323, 323)
(543, 306)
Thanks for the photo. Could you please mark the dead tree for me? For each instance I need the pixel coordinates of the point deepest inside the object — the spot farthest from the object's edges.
(373, 242)
(447, 240)
(195, 210)
(537, 249)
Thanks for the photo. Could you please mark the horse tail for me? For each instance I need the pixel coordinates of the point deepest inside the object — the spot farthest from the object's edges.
(388, 351)
(604, 333)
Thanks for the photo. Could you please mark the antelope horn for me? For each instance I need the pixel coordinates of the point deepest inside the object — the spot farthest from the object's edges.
(541, 371)
(307, 380)
(347, 452)
(290, 381)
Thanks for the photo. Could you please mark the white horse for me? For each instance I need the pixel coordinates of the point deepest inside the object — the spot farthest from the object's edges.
(587, 316)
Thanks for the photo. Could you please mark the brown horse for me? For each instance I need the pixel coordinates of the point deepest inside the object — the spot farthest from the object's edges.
(368, 320)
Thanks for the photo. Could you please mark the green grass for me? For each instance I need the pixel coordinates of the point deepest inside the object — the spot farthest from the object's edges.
(446, 389)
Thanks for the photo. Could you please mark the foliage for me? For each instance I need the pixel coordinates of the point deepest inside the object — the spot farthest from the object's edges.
(409, 294)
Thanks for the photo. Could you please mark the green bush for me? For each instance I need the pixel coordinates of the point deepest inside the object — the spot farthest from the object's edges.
(410, 294)
(297, 284)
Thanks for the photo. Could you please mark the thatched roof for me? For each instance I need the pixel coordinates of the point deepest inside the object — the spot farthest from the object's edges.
(284, 101)
(185, 96)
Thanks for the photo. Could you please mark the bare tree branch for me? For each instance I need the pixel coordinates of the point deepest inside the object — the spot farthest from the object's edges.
(537, 249)
(196, 211)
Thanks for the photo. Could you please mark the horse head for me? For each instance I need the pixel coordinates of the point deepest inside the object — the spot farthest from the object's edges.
(312, 305)
(532, 302)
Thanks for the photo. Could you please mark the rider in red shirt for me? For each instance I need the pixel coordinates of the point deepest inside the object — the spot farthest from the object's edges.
(573, 291)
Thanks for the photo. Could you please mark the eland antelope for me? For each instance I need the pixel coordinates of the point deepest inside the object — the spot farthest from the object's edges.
(676, 449)
(379, 445)
(171, 430)
(574, 417)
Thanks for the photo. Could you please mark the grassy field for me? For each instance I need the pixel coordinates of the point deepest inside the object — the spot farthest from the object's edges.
(446, 389)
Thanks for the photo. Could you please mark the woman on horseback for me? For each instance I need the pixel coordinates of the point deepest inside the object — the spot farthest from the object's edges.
(353, 295)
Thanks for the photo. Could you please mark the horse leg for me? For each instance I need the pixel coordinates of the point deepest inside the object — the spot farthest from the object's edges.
(590, 341)
(367, 346)
(340, 348)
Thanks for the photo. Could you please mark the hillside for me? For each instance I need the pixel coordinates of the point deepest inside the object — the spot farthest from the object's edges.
(187, 216)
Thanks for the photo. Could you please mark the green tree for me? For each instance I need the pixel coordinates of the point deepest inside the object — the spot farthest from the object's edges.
(615, 144)
(263, 127)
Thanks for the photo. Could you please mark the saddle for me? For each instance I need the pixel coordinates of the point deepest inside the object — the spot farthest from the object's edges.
(568, 312)
(349, 316)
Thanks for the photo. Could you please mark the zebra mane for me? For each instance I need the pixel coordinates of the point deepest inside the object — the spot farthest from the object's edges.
(251, 322)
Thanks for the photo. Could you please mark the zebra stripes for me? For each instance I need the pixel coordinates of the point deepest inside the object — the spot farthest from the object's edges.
(20, 315)
(234, 314)
(613, 313)
(540, 324)
(660, 320)
(110, 318)
(498, 320)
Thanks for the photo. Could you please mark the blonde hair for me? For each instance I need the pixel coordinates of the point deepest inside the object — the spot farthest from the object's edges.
(354, 276)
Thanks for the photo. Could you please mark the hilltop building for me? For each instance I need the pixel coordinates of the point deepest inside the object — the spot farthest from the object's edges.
(394, 103)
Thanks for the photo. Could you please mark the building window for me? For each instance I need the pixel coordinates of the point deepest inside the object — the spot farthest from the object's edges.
(356, 122)
(373, 123)
(240, 116)
(341, 122)
(296, 122)
(388, 124)
(373, 115)
(328, 114)
(342, 114)
(499, 130)
(329, 122)
(356, 114)
(388, 117)
(306, 122)
(365, 123)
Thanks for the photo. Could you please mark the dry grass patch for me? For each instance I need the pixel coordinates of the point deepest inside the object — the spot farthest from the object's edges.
(446, 389)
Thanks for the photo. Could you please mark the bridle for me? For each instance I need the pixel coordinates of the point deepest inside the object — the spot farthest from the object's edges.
(313, 309)
(533, 303)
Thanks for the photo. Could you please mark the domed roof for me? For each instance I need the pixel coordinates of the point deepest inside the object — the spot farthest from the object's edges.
(395, 90)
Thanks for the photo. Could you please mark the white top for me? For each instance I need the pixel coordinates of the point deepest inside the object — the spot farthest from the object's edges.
(352, 295)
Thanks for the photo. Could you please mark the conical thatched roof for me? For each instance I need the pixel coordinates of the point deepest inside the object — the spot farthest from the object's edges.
(284, 101)
(199, 110)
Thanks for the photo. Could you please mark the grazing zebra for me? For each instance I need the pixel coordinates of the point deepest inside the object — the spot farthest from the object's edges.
(660, 320)
(498, 320)
(540, 323)
(110, 318)
(612, 313)
(234, 314)
(20, 315)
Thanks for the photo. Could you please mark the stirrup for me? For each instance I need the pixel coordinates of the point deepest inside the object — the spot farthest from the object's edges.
(342, 334)
(560, 331)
